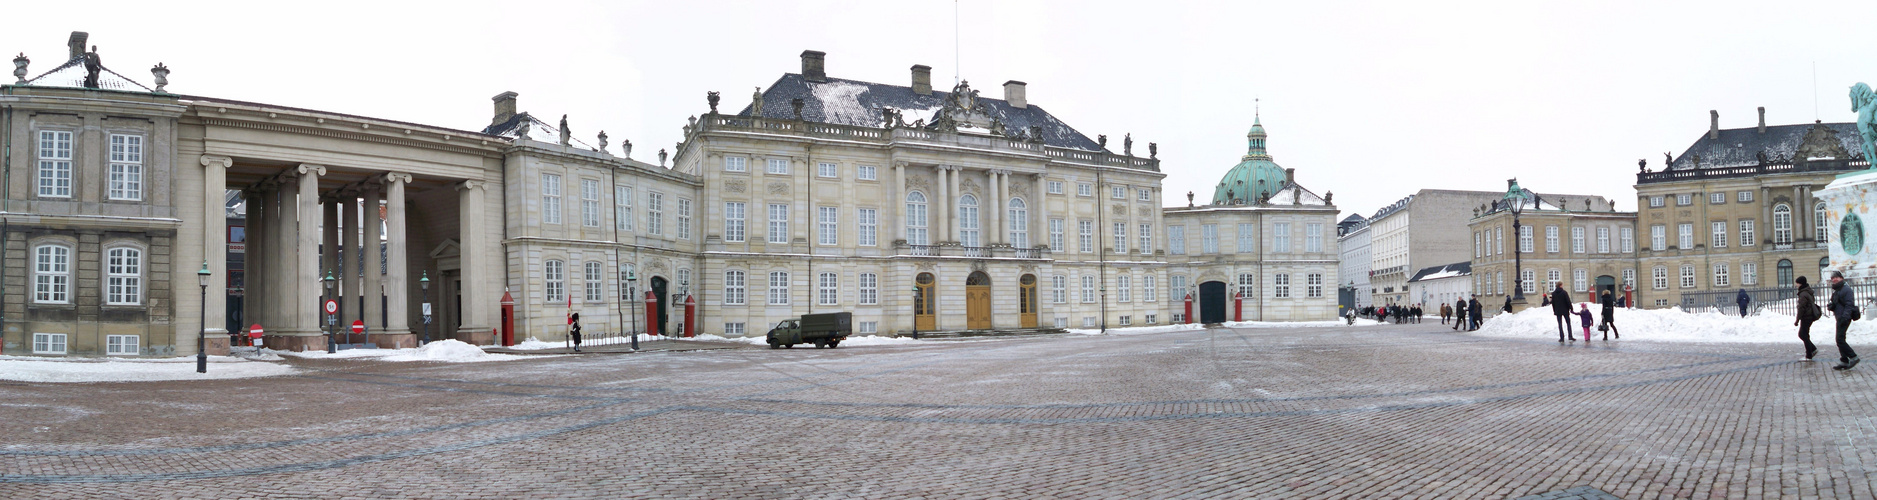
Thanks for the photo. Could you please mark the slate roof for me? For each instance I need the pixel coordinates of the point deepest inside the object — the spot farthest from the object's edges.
(1353, 218)
(1445, 271)
(537, 130)
(72, 74)
(856, 103)
(1740, 146)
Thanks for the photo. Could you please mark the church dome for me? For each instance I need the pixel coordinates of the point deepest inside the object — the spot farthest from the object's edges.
(1255, 177)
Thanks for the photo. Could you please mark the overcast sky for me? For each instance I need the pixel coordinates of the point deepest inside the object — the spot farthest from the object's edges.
(1371, 101)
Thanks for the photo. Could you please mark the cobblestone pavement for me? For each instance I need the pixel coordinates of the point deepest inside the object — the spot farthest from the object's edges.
(1408, 411)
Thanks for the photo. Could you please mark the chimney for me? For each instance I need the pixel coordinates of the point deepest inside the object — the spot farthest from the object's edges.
(1290, 175)
(504, 107)
(1015, 95)
(921, 79)
(1762, 119)
(77, 44)
(1714, 124)
(812, 66)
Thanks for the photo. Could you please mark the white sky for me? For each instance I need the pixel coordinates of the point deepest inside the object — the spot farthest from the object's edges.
(1370, 101)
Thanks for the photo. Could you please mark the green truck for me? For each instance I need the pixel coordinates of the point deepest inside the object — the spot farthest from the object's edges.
(823, 330)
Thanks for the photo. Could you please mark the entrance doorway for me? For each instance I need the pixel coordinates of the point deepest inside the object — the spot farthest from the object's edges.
(1026, 300)
(978, 301)
(658, 291)
(1605, 283)
(1212, 302)
(923, 303)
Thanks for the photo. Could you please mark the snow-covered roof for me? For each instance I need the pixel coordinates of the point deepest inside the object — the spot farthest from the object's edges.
(1456, 269)
(1293, 194)
(856, 103)
(72, 74)
(1779, 143)
(537, 130)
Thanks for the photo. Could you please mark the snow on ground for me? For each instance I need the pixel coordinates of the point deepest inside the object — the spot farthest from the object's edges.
(450, 351)
(43, 369)
(1674, 324)
(534, 344)
(851, 340)
(1143, 330)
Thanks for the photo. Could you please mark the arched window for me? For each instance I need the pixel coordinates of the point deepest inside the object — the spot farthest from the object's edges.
(554, 272)
(593, 289)
(968, 220)
(1782, 224)
(52, 274)
(915, 219)
(123, 276)
(1821, 226)
(1019, 224)
(1785, 272)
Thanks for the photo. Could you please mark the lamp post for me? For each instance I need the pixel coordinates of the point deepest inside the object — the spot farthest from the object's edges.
(918, 296)
(202, 354)
(328, 282)
(424, 283)
(1516, 197)
(632, 280)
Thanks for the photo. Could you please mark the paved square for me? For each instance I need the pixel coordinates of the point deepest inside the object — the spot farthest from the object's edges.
(1411, 411)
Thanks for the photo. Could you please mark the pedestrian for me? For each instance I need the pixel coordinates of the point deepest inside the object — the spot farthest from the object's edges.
(1417, 314)
(1561, 310)
(1350, 315)
(1608, 326)
(1844, 308)
(1508, 307)
(1459, 311)
(574, 330)
(1742, 299)
(1808, 313)
(1583, 318)
(1446, 312)
(1474, 313)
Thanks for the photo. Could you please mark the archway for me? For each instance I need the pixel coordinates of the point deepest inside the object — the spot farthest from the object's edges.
(658, 291)
(1605, 283)
(1212, 302)
(924, 303)
(978, 301)
(1026, 300)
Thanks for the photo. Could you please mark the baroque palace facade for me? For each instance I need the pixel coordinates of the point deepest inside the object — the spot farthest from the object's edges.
(912, 208)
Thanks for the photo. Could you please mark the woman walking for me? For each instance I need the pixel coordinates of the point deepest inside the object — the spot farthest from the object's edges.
(1808, 313)
(1608, 326)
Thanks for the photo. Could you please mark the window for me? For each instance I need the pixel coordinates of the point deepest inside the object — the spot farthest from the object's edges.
(1280, 286)
(126, 167)
(554, 272)
(1717, 198)
(1055, 187)
(1629, 277)
(625, 286)
(1658, 237)
(1247, 283)
(1019, 223)
(1151, 319)
(684, 281)
(1055, 235)
(1718, 232)
(777, 166)
(867, 173)
(915, 219)
(1314, 285)
(122, 345)
(1499, 241)
(1176, 240)
(593, 286)
(1086, 235)
(684, 218)
(1499, 283)
(1603, 240)
(1088, 289)
(1749, 273)
(655, 212)
(622, 208)
(55, 167)
(1478, 249)
(1746, 232)
(869, 289)
(550, 199)
(1209, 238)
(1687, 276)
(968, 220)
(1148, 294)
(1720, 274)
(1120, 237)
(1118, 192)
(1058, 289)
(1746, 196)
(778, 223)
(1145, 194)
(868, 226)
(1525, 239)
(1660, 276)
(1551, 239)
(826, 170)
(1628, 238)
(1122, 288)
(735, 164)
(735, 328)
(733, 217)
(778, 288)
(1147, 239)
(733, 288)
(589, 203)
(1247, 238)
(1280, 237)
(1685, 235)
(1313, 237)
(827, 226)
(1684, 199)
(1782, 224)
(827, 289)
(1821, 225)
(869, 327)
(1784, 270)
(1579, 280)
(1528, 280)
(1085, 189)
(1177, 285)
(48, 343)
(1655, 201)
(52, 274)
(1553, 278)
(124, 276)
(1126, 320)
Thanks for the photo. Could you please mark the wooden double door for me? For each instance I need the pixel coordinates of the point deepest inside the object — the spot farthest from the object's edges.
(978, 301)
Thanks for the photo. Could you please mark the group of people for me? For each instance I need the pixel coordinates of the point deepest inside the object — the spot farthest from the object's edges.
(1401, 314)
(1843, 306)
(1560, 301)
(1467, 314)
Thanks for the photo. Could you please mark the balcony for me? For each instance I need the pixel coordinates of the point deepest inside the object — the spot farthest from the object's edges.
(964, 252)
(1751, 170)
(909, 135)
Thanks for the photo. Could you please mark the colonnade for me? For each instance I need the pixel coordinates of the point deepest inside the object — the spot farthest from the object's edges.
(943, 224)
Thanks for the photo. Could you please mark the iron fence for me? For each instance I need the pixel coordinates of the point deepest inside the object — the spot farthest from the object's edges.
(1782, 300)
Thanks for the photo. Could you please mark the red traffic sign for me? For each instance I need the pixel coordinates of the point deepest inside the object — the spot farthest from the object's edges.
(255, 331)
(332, 306)
(358, 326)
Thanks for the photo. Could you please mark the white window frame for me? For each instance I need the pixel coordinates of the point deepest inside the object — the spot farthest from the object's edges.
(550, 198)
(1085, 189)
(778, 288)
(1176, 240)
(1603, 240)
(1745, 197)
(123, 345)
(827, 170)
(1687, 276)
(1580, 280)
(969, 226)
(828, 226)
(867, 173)
(1551, 239)
(1721, 275)
(1313, 283)
(655, 213)
(1088, 289)
(735, 164)
(735, 287)
(554, 277)
(777, 166)
(916, 231)
(1684, 199)
(1749, 273)
(1657, 202)
(1629, 277)
(593, 288)
(1247, 286)
(1209, 239)
(867, 226)
(778, 223)
(123, 268)
(1659, 277)
(1055, 235)
(1782, 224)
(1717, 198)
(1058, 289)
(1019, 223)
(1123, 288)
(1247, 237)
(126, 167)
(733, 328)
(1821, 225)
(49, 343)
(1118, 192)
(1055, 187)
(1313, 237)
(622, 208)
(828, 289)
(1685, 235)
(55, 164)
(1280, 286)
(1718, 232)
(1120, 237)
(1525, 239)
(589, 202)
(1528, 280)
(1658, 237)
(1280, 237)
(52, 274)
(684, 218)
(1149, 289)
(1553, 277)
(1628, 239)
(735, 216)
(1085, 235)
(869, 289)
(1144, 194)
(1146, 235)
(1746, 233)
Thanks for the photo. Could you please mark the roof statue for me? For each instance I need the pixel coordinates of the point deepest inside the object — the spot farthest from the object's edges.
(602, 147)
(1864, 102)
(161, 73)
(93, 65)
(1642, 165)
(521, 128)
(756, 103)
(625, 147)
(661, 157)
(1153, 151)
(566, 136)
(1127, 144)
(797, 104)
(1667, 160)
(1103, 141)
(19, 68)
(712, 97)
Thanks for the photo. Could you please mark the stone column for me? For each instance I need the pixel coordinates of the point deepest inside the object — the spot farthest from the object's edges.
(347, 272)
(252, 309)
(951, 201)
(937, 224)
(397, 266)
(328, 246)
(995, 202)
(215, 250)
(372, 288)
(479, 268)
(1040, 219)
(280, 259)
(304, 297)
(1762, 230)
(896, 208)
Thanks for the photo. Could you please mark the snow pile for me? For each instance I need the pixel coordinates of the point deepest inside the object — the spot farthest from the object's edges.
(1143, 330)
(840, 103)
(38, 369)
(449, 351)
(535, 344)
(1673, 324)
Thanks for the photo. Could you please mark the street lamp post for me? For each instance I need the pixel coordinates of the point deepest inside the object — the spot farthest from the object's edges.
(202, 354)
(330, 321)
(1516, 196)
(918, 295)
(632, 280)
(424, 283)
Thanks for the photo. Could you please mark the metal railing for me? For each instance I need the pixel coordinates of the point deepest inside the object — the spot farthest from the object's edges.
(1782, 300)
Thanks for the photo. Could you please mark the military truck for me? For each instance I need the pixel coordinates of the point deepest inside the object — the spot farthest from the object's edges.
(823, 330)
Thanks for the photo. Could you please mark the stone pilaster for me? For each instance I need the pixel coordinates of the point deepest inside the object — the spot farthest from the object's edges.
(372, 288)
(479, 268)
(397, 266)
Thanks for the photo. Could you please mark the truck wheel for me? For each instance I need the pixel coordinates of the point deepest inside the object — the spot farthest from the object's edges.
(821, 344)
(790, 346)
(773, 345)
(833, 344)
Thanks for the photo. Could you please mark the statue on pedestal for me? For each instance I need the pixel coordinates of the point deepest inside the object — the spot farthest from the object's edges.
(566, 136)
(1864, 103)
(713, 97)
(93, 65)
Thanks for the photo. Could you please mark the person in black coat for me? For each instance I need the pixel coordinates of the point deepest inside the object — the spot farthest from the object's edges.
(1743, 300)
(1561, 308)
(1459, 312)
(1608, 325)
(1844, 308)
(574, 330)
(1474, 313)
(1808, 313)
(1508, 307)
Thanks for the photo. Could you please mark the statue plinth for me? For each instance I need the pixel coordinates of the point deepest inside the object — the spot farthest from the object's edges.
(1849, 201)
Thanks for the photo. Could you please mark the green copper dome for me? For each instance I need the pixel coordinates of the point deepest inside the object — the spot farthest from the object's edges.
(1255, 176)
